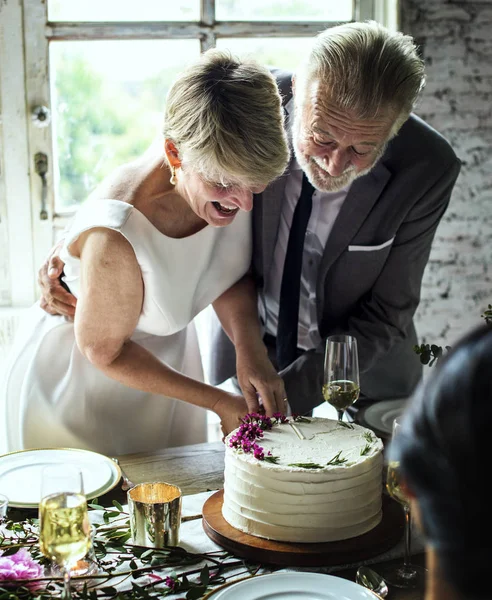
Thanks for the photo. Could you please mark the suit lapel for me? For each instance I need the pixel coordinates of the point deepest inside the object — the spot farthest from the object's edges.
(270, 206)
(362, 196)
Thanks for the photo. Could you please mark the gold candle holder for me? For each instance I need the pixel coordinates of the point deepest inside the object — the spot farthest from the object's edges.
(155, 514)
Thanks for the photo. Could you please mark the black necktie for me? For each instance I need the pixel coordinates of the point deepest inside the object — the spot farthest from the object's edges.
(288, 317)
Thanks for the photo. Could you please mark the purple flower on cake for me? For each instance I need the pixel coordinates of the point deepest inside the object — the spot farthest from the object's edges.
(252, 428)
(258, 452)
(261, 421)
(280, 418)
(19, 566)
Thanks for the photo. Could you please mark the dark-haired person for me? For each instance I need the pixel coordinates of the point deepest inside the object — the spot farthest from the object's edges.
(443, 447)
(158, 241)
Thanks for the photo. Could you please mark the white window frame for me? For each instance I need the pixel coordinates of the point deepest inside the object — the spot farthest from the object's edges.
(25, 34)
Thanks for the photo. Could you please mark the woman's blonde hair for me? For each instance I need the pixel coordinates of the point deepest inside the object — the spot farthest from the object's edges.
(225, 117)
(367, 69)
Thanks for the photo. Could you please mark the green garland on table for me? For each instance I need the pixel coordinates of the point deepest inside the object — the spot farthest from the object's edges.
(117, 560)
(432, 353)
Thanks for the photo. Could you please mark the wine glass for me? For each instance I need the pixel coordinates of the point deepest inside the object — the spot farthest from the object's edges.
(405, 575)
(64, 528)
(341, 376)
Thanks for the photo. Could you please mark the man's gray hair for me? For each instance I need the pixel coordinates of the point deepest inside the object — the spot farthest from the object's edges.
(367, 68)
(225, 117)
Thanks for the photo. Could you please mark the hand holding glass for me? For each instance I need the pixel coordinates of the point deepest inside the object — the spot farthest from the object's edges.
(405, 575)
(64, 528)
(341, 376)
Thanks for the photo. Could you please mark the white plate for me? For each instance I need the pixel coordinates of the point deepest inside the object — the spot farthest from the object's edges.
(381, 415)
(20, 473)
(301, 586)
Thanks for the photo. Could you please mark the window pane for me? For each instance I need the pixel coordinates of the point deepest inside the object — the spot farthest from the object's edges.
(284, 10)
(284, 53)
(123, 10)
(108, 99)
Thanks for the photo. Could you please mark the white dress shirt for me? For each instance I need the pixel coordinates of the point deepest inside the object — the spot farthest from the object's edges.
(326, 206)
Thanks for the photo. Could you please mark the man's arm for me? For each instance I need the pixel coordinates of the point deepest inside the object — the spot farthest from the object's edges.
(238, 314)
(55, 299)
(384, 315)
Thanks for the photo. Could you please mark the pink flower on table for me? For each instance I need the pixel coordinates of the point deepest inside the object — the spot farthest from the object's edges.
(19, 566)
(171, 583)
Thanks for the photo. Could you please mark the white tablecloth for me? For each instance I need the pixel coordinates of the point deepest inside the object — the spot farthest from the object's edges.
(194, 539)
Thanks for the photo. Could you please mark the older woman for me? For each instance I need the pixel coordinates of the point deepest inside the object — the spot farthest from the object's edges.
(157, 242)
(444, 454)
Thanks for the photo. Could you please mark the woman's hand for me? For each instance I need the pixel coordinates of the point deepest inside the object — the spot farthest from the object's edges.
(259, 381)
(230, 408)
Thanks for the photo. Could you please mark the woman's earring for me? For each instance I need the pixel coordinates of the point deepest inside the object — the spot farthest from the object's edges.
(173, 176)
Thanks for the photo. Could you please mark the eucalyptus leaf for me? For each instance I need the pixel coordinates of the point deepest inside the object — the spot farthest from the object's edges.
(110, 590)
(205, 575)
(195, 593)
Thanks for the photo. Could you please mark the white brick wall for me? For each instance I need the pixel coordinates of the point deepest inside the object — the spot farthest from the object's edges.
(457, 101)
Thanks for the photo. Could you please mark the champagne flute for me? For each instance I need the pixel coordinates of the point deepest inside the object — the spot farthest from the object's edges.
(64, 528)
(405, 575)
(341, 374)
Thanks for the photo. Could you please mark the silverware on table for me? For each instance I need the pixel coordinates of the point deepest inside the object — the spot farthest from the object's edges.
(127, 482)
(372, 581)
(191, 518)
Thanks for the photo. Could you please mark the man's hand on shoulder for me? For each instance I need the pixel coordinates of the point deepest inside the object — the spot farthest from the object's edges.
(55, 300)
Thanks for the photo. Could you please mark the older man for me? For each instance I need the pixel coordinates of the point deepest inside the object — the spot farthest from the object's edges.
(352, 219)
(381, 181)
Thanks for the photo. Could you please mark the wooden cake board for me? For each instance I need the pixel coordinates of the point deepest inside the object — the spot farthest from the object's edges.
(380, 539)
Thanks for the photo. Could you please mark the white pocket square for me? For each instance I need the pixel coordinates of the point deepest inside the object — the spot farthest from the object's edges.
(370, 248)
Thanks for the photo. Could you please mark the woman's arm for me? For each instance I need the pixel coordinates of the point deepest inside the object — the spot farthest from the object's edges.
(238, 314)
(108, 310)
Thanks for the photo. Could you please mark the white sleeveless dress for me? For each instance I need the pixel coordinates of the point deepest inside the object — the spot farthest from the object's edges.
(55, 397)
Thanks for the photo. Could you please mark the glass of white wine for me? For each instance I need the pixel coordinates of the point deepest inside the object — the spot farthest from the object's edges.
(341, 386)
(405, 575)
(64, 527)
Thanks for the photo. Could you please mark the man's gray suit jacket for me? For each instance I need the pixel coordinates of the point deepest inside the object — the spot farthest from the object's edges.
(370, 276)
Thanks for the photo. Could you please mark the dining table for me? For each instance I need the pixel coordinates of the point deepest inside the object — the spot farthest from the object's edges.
(199, 468)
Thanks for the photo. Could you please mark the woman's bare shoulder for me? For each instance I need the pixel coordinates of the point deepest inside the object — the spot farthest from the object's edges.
(124, 181)
(120, 184)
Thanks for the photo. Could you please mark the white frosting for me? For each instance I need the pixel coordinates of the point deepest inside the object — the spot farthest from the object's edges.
(297, 504)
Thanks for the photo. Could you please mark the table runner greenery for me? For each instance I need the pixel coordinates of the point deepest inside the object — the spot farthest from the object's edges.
(124, 571)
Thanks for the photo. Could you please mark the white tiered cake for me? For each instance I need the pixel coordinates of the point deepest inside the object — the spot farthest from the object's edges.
(312, 480)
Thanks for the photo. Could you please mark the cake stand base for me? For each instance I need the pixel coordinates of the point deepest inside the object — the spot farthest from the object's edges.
(380, 539)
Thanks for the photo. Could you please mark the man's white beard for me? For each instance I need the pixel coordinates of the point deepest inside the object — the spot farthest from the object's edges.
(316, 172)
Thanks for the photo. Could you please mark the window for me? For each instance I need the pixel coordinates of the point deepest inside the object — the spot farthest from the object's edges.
(83, 84)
